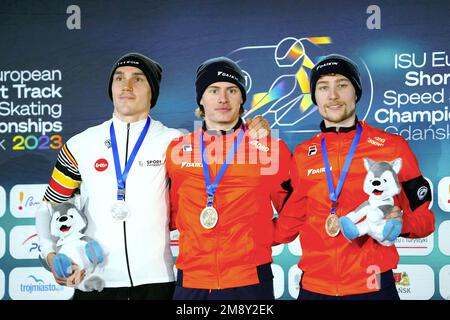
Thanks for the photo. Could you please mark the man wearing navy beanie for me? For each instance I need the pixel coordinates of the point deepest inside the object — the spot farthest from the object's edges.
(223, 207)
(338, 261)
(336, 64)
(151, 69)
(217, 70)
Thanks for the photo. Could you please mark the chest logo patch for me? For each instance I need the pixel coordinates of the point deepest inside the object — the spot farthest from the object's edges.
(312, 150)
(101, 165)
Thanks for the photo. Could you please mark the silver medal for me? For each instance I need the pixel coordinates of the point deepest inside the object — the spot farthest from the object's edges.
(119, 210)
(209, 217)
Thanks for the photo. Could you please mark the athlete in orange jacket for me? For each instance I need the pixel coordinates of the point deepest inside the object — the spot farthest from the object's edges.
(334, 266)
(226, 234)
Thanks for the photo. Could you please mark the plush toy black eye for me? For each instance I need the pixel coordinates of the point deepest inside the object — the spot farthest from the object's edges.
(384, 180)
(71, 216)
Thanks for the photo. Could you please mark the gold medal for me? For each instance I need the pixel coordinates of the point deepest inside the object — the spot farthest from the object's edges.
(332, 225)
(209, 217)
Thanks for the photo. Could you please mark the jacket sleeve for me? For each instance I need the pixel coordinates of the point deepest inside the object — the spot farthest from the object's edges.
(293, 215)
(172, 185)
(415, 196)
(282, 187)
(65, 179)
(63, 183)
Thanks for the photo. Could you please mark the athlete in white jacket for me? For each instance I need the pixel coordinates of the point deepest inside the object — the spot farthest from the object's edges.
(137, 249)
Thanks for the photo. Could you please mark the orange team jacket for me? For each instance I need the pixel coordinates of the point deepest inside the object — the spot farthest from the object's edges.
(335, 266)
(227, 255)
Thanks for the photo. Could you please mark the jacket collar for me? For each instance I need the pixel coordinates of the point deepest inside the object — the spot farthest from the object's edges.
(222, 132)
(338, 130)
(119, 124)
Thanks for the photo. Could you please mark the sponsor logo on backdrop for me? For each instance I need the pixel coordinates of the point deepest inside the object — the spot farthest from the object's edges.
(294, 276)
(2, 242)
(402, 280)
(444, 282)
(2, 201)
(444, 237)
(414, 282)
(415, 247)
(36, 284)
(278, 280)
(2, 284)
(444, 194)
(295, 247)
(24, 199)
(24, 242)
(416, 108)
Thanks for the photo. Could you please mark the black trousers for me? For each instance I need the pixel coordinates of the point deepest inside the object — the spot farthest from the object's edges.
(154, 291)
(260, 291)
(388, 291)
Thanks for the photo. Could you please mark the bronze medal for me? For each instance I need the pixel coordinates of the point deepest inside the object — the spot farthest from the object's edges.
(332, 225)
(209, 217)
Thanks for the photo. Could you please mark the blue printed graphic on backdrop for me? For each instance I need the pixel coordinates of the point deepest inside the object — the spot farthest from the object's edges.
(281, 90)
(33, 243)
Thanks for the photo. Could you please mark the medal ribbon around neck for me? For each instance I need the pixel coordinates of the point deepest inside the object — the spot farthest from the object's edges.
(334, 194)
(211, 188)
(122, 176)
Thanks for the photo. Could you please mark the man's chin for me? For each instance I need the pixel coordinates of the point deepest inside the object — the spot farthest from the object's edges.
(337, 117)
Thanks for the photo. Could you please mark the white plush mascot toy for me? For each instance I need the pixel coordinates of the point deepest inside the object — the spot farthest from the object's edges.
(381, 184)
(67, 225)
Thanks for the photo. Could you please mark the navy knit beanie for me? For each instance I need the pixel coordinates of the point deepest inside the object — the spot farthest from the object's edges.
(149, 67)
(218, 70)
(339, 64)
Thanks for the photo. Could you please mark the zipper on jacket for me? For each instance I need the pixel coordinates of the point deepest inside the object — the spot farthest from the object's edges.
(336, 250)
(218, 239)
(124, 223)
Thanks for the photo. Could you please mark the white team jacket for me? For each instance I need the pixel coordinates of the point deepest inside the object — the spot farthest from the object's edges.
(141, 243)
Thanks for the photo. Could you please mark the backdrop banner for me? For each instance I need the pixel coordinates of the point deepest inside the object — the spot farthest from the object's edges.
(54, 70)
